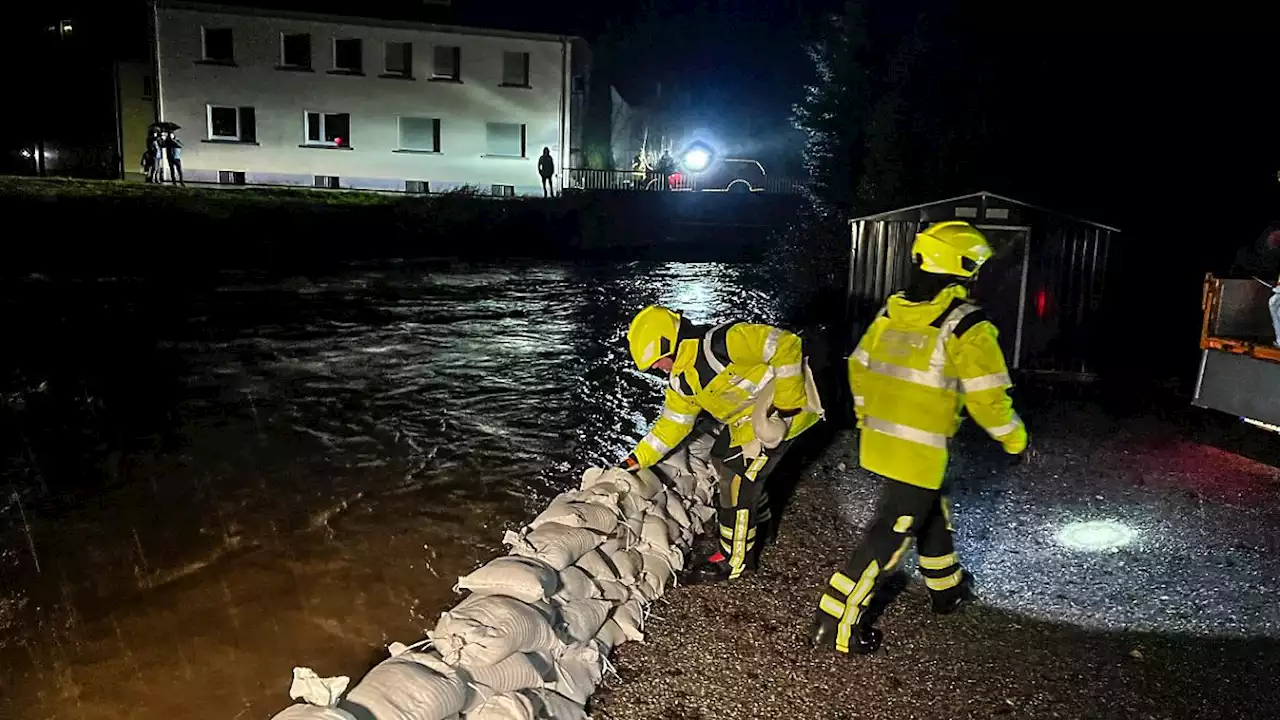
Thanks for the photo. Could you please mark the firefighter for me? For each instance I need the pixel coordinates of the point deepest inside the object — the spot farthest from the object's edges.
(752, 378)
(928, 354)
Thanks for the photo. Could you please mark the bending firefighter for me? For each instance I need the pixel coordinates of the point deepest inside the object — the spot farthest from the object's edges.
(928, 354)
(752, 378)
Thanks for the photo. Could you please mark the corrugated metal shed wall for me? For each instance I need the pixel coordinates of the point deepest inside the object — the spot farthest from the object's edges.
(1050, 266)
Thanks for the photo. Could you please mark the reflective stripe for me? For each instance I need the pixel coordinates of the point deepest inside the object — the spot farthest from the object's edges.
(831, 606)
(790, 370)
(897, 556)
(930, 378)
(727, 533)
(861, 356)
(678, 418)
(946, 513)
(739, 557)
(859, 401)
(756, 466)
(938, 362)
(654, 442)
(986, 382)
(712, 360)
(771, 344)
(945, 583)
(941, 562)
(853, 606)
(1007, 428)
(904, 432)
(903, 524)
(842, 583)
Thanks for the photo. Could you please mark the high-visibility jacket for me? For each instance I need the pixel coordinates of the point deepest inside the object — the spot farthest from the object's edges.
(722, 370)
(916, 367)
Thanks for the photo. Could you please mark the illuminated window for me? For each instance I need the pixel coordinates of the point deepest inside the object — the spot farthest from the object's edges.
(505, 140)
(420, 134)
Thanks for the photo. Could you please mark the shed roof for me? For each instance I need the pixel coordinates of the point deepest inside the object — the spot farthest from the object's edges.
(982, 195)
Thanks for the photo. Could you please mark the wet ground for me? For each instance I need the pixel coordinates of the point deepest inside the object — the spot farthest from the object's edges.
(206, 483)
(1169, 613)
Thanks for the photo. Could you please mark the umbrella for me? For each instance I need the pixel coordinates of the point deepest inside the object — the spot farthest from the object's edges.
(166, 126)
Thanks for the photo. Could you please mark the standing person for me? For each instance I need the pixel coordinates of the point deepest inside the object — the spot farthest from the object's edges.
(928, 354)
(1274, 305)
(547, 169)
(754, 379)
(153, 153)
(173, 148)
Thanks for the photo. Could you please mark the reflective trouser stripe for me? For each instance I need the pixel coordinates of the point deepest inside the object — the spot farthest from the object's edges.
(897, 556)
(853, 606)
(946, 513)
(903, 524)
(831, 606)
(727, 533)
(843, 584)
(944, 583)
(726, 546)
(906, 432)
(940, 562)
(738, 559)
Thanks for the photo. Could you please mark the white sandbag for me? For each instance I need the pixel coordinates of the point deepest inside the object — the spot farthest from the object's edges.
(633, 528)
(529, 705)
(401, 689)
(523, 578)
(583, 618)
(312, 712)
(575, 513)
(645, 483)
(658, 565)
(704, 512)
(630, 619)
(579, 669)
(632, 505)
(676, 463)
(554, 544)
(597, 565)
(312, 689)
(576, 584)
(611, 635)
(627, 563)
(654, 530)
(517, 672)
(487, 629)
(642, 482)
(684, 484)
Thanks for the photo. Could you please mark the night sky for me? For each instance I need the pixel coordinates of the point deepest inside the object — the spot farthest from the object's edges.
(1154, 122)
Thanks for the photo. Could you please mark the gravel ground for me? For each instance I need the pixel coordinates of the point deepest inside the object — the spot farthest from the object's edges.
(1179, 621)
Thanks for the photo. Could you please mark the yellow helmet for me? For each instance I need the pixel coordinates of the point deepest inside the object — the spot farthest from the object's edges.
(951, 248)
(652, 335)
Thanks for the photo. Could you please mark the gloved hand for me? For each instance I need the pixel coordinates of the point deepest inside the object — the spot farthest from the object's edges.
(1027, 456)
(629, 464)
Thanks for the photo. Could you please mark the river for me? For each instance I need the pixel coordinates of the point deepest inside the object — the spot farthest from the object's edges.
(209, 482)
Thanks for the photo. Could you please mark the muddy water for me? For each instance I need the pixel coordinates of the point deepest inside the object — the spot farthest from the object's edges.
(208, 483)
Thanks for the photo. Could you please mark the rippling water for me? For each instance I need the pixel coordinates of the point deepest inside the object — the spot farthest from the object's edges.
(223, 480)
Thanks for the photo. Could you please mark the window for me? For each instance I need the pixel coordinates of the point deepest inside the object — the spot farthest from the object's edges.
(329, 129)
(448, 63)
(515, 69)
(421, 134)
(232, 124)
(230, 177)
(505, 139)
(348, 55)
(398, 60)
(295, 51)
(218, 46)
(417, 187)
(148, 87)
(332, 182)
(502, 190)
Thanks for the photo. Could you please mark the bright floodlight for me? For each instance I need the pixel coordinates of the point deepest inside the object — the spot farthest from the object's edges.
(1096, 535)
(697, 159)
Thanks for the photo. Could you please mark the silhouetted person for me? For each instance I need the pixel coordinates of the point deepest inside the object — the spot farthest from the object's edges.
(547, 169)
(173, 148)
(151, 159)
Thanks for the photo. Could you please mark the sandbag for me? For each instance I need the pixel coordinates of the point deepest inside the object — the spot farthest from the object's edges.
(684, 484)
(401, 689)
(632, 505)
(654, 530)
(583, 618)
(517, 672)
(576, 584)
(597, 565)
(627, 563)
(487, 629)
(554, 544)
(611, 635)
(578, 672)
(575, 513)
(630, 619)
(529, 705)
(522, 578)
(312, 712)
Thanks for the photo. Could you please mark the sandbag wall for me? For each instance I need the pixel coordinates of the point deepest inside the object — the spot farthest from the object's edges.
(531, 641)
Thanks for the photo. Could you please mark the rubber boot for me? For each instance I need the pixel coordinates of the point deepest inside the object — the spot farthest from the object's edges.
(716, 569)
(863, 640)
(951, 600)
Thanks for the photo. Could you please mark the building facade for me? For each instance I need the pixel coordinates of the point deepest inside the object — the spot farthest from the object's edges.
(279, 98)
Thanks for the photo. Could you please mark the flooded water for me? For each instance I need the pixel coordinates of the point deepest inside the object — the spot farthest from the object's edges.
(208, 483)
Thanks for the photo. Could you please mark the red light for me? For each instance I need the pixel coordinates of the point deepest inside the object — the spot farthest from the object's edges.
(1042, 301)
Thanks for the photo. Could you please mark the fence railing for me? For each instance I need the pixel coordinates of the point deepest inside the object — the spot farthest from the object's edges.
(587, 179)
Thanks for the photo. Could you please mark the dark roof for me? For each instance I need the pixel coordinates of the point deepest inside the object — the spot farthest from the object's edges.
(983, 195)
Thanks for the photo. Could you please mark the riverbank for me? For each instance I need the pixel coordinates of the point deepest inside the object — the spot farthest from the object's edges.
(133, 227)
(1180, 623)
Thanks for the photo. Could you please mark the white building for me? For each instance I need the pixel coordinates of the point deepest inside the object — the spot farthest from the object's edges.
(271, 97)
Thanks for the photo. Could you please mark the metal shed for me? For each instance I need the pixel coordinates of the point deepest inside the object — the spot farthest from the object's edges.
(1042, 289)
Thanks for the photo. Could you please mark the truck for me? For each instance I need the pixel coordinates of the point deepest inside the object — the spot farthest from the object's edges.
(1239, 362)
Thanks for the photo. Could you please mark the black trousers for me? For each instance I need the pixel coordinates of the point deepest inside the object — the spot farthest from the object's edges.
(904, 513)
(744, 498)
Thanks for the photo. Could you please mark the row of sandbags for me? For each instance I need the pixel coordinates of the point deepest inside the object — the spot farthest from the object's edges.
(532, 640)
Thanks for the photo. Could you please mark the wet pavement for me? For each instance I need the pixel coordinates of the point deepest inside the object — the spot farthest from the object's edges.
(1180, 621)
